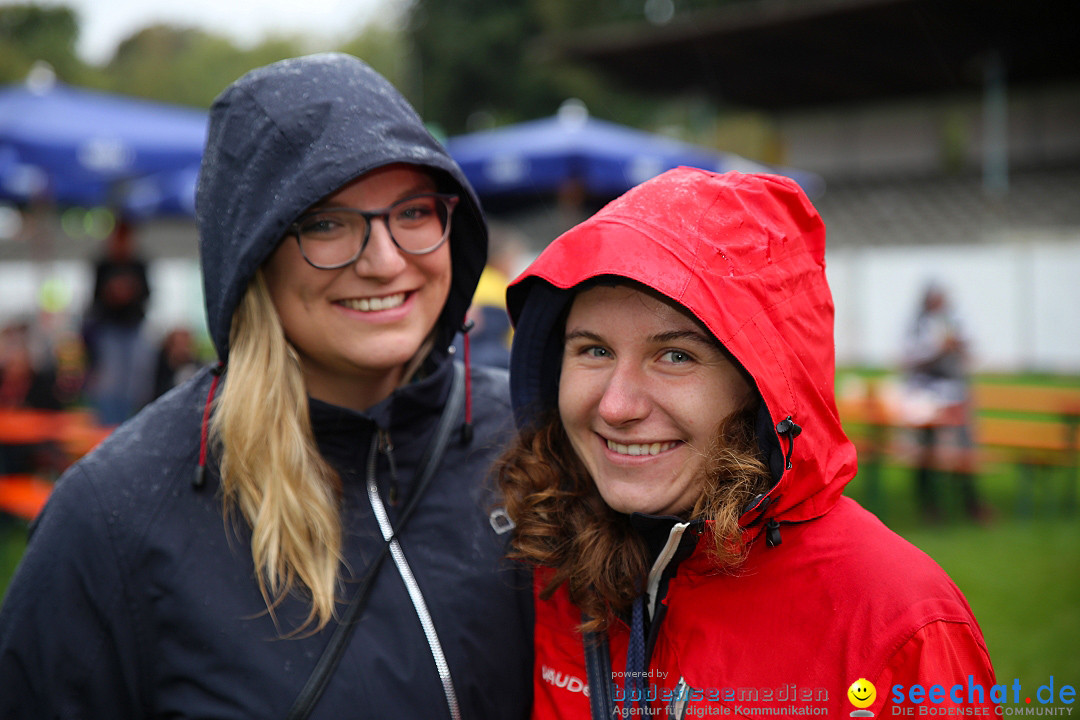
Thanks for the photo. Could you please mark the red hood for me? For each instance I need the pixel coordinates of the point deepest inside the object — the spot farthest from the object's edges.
(746, 255)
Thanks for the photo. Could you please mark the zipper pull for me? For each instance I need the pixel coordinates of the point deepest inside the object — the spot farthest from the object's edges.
(386, 447)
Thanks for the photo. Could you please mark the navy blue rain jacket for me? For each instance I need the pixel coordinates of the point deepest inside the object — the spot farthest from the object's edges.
(136, 598)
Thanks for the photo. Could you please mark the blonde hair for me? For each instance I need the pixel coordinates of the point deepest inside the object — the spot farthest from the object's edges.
(272, 473)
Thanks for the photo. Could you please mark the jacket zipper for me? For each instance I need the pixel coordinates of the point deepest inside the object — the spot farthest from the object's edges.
(406, 573)
(661, 563)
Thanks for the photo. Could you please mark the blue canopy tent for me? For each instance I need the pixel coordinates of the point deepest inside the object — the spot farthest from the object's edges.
(80, 147)
(538, 156)
(164, 193)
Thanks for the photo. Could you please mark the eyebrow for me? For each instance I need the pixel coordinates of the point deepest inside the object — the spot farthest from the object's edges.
(660, 338)
(692, 335)
(582, 335)
(421, 188)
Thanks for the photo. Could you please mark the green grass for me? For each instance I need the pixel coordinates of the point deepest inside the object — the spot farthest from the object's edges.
(12, 544)
(1022, 580)
(1020, 570)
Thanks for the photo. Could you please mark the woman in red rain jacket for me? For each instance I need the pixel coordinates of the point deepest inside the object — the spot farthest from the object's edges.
(677, 480)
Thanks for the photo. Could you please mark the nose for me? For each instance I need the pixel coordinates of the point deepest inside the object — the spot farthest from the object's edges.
(381, 257)
(626, 396)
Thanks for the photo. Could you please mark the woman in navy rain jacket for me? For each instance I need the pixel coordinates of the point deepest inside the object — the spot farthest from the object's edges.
(195, 564)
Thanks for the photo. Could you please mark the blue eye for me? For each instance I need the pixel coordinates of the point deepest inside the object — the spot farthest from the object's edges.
(678, 357)
(414, 211)
(597, 351)
(323, 225)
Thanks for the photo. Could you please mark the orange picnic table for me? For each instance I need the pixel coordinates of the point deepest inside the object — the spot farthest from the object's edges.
(73, 432)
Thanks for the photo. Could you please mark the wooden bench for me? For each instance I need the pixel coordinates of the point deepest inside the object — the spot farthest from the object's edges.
(23, 495)
(1035, 427)
(59, 437)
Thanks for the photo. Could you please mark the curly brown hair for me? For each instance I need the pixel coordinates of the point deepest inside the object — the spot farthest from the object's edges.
(562, 522)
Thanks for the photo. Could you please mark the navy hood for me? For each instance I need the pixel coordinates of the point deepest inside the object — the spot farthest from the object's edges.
(285, 136)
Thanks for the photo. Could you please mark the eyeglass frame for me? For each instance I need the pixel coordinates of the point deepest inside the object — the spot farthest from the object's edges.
(450, 199)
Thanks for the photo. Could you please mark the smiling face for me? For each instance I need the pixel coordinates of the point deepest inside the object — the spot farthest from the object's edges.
(862, 693)
(356, 327)
(642, 391)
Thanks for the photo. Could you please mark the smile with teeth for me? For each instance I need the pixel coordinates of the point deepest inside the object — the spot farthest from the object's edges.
(640, 449)
(375, 303)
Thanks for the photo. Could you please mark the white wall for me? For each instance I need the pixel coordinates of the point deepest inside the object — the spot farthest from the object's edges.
(176, 297)
(1020, 302)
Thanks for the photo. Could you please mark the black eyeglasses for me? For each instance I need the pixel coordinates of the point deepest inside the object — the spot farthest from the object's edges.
(332, 238)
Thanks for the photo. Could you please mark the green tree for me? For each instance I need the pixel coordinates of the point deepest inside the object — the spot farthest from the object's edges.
(383, 46)
(29, 33)
(186, 65)
(489, 59)
(190, 66)
(468, 60)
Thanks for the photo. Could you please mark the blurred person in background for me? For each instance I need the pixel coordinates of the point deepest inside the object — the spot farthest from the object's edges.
(677, 483)
(120, 357)
(27, 383)
(24, 381)
(177, 362)
(937, 404)
(239, 549)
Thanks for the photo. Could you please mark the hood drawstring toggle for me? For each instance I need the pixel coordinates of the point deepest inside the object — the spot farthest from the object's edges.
(772, 527)
(788, 427)
(791, 429)
(772, 533)
(204, 428)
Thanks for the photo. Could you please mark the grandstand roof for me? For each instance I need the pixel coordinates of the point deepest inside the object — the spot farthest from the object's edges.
(781, 54)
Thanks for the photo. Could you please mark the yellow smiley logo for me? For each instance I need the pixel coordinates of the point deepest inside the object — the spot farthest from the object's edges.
(862, 693)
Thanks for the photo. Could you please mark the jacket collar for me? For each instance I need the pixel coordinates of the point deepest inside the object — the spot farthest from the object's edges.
(342, 433)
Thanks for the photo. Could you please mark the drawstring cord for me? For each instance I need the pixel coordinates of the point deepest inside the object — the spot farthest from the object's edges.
(786, 427)
(204, 429)
(635, 657)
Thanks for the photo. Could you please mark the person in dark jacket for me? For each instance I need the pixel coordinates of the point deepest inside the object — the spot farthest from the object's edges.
(196, 563)
(120, 357)
(677, 482)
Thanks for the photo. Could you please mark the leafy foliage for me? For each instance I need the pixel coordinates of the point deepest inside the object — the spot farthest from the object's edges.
(465, 64)
(186, 65)
(30, 33)
(167, 63)
(484, 61)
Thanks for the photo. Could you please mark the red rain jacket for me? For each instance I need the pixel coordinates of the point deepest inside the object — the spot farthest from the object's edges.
(840, 597)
